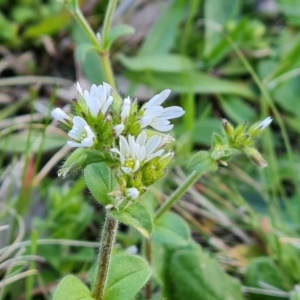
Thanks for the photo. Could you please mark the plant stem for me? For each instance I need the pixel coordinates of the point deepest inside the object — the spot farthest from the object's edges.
(148, 286)
(178, 193)
(100, 48)
(107, 22)
(85, 26)
(106, 245)
(107, 68)
(104, 54)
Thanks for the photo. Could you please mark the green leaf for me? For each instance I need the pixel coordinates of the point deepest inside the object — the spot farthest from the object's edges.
(173, 63)
(127, 275)
(71, 288)
(193, 82)
(202, 162)
(33, 140)
(171, 230)
(264, 270)
(286, 95)
(117, 32)
(91, 63)
(49, 25)
(221, 12)
(204, 129)
(83, 49)
(161, 38)
(195, 275)
(101, 180)
(237, 110)
(137, 216)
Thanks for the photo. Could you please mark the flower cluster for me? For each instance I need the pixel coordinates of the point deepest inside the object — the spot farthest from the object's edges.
(128, 137)
(240, 138)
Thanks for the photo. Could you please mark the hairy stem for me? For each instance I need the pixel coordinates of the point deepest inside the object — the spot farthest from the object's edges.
(107, 21)
(148, 286)
(178, 193)
(85, 26)
(106, 245)
(107, 68)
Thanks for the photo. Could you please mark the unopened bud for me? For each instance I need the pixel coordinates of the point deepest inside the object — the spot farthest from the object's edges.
(228, 128)
(256, 157)
(74, 161)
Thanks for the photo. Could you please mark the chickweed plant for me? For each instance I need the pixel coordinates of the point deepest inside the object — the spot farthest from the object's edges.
(121, 147)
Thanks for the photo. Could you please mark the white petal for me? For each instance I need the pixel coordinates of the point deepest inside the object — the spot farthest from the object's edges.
(266, 122)
(153, 143)
(156, 154)
(161, 125)
(107, 104)
(124, 148)
(118, 129)
(126, 170)
(93, 105)
(79, 89)
(142, 138)
(89, 131)
(125, 109)
(132, 145)
(154, 111)
(136, 166)
(145, 121)
(79, 122)
(172, 112)
(158, 99)
(60, 115)
(87, 142)
(141, 155)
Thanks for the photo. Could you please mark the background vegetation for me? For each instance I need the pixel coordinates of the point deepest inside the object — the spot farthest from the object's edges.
(222, 59)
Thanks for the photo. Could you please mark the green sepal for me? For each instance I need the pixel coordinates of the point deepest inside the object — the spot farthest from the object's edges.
(203, 162)
(74, 161)
(100, 180)
(127, 275)
(217, 140)
(71, 288)
(221, 154)
(117, 32)
(137, 216)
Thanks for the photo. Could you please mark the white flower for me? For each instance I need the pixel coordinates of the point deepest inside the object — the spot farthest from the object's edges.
(97, 99)
(158, 117)
(132, 193)
(60, 115)
(263, 124)
(133, 153)
(125, 109)
(82, 133)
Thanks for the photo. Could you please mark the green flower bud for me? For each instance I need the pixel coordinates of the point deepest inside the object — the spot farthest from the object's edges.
(228, 128)
(256, 157)
(75, 160)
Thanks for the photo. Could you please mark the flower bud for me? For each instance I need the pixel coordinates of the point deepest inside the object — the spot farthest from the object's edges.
(228, 128)
(257, 128)
(256, 157)
(74, 161)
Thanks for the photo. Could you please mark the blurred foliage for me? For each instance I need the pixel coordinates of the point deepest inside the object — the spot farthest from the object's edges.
(234, 59)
